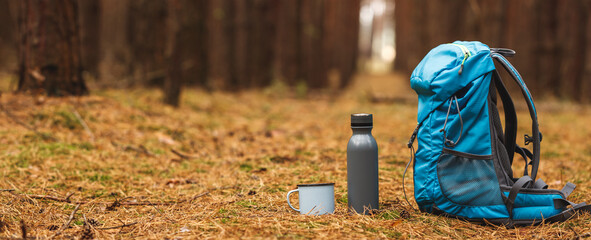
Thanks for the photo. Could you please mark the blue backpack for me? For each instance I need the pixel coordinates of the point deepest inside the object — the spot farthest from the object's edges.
(463, 161)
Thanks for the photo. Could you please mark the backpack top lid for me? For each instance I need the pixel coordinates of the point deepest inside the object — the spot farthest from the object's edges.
(438, 75)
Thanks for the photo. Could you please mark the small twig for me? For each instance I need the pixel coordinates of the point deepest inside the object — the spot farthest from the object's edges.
(69, 195)
(71, 217)
(119, 226)
(23, 229)
(83, 123)
(585, 235)
(222, 188)
(140, 149)
(45, 197)
(577, 235)
(149, 203)
(48, 197)
(200, 195)
(6, 190)
(145, 151)
(115, 204)
(67, 223)
(183, 155)
(112, 205)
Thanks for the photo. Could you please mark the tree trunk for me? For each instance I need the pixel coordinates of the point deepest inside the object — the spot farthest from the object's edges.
(312, 34)
(90, 22)
(287, 45)
(115, 52)
(546, 69)
(49, 48)
(586, 85)
(146, 25)
(232, 44)
(571, 39)
(8, 35)
(259, 42)
(412, 37)
(172, 85)
(194, 42)
(341, 41)
(221, 65)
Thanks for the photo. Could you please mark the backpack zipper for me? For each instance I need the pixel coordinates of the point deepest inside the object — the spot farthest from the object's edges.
(466, 53)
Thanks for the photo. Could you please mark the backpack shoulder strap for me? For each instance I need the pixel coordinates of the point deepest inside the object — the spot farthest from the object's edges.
(532, 109)
(510, 133)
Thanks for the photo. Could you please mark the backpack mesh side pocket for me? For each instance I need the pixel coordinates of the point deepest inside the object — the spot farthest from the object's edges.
(467, 179)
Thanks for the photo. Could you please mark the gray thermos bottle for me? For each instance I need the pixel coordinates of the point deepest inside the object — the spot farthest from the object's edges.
(362, 165)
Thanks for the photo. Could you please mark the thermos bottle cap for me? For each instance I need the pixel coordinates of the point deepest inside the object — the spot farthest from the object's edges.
(361, 120)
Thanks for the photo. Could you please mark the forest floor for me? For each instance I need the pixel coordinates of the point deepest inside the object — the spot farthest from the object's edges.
(119, 164)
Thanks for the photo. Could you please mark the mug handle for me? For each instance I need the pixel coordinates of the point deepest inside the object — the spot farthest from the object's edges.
(289, 193)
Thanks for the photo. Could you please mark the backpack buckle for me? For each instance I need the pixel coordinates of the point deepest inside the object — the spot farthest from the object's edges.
(529, 139)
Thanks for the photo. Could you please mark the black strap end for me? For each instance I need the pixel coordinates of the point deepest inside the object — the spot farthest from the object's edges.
(506, 52)
(560, 203)
(568, 189)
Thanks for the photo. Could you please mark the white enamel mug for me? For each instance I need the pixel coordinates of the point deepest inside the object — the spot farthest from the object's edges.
(315, 199)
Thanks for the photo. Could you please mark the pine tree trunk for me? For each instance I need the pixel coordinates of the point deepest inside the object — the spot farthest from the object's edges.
(49, 48)
(114, 64)
(287, 45)
(8, 36)
(172, 85)
(340, 41)
(146, 25)
(571, 50)
(259, 42)
(194, 42)
(586, 85)
(312, 34)
(90, 22)
(220, 54)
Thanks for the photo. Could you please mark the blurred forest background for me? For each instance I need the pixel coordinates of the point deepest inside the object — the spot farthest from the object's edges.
(56, 47)
(269, 86)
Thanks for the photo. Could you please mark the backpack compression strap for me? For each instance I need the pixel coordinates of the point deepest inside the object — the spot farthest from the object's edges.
(532, 110)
